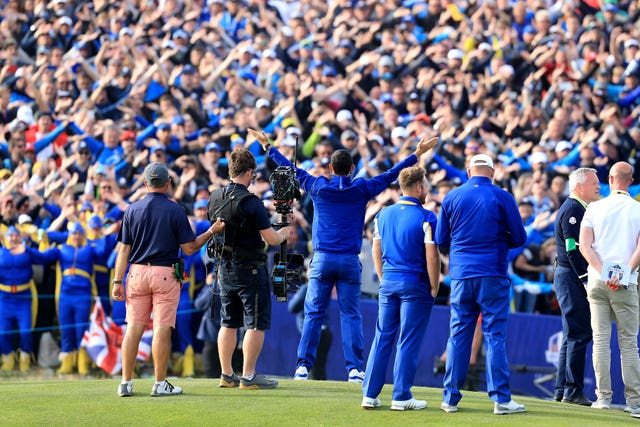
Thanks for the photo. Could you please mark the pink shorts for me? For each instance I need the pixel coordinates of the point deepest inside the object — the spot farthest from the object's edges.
(152, 289)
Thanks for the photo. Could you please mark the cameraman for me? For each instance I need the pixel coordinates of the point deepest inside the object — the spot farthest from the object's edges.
(244, 281)
(338, 224)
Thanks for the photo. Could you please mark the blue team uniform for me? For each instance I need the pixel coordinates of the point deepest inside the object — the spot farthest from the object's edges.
(17, 294)
(75, 289)
(405, 300)
(338, 224)
(480, 222)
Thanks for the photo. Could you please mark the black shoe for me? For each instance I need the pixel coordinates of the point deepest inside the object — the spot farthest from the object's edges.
(557, 398)
(578, 400)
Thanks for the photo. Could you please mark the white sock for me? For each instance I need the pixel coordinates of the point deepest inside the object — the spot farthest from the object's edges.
(130, 382)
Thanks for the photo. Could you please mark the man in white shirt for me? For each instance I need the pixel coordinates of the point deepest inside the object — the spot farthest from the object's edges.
(610, 233)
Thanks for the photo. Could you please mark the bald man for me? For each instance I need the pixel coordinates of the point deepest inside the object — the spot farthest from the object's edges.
(610, 234)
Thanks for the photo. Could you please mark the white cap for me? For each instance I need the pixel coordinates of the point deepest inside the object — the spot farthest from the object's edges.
(287, 31)
(507, 69)
(269, 53)
(25, 114)
(385, 61)
(288, 141)
(481, 160)
(537, 157)
(292, 130)
(377, 138)
(65, 20)
(125, 31)
(344, 115)
(455, 54)
(399, 132)
(262, 102)
(630, 42)
(24, 219)
(563, 145)
(168, 44)
(485, 46)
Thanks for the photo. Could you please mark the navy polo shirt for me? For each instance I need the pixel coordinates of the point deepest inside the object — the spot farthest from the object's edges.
(155, 227)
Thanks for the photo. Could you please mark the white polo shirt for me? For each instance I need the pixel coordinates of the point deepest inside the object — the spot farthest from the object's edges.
(616, 225)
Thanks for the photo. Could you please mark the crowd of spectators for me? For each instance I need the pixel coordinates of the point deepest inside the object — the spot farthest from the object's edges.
(92, 91)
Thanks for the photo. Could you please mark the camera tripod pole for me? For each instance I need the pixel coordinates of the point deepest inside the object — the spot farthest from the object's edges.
(279, 276)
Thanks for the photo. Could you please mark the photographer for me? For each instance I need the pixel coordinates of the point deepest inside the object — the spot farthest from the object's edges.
(244, 281)
(338, 223)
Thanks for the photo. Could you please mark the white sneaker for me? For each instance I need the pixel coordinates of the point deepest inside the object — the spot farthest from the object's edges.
(165, 388)
(602, 403)
(370, 402)
(125, 389)
(448, 408)
(301, 374)
(634, 407)
(402, 405)
(511, 407)
(356, 376)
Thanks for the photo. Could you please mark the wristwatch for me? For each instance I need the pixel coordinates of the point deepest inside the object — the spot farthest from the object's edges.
(117, 282)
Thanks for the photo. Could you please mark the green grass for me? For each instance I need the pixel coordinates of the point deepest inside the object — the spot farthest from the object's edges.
(293, 403)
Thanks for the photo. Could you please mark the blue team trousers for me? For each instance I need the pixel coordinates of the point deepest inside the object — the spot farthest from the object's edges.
(73, 316)
(342, 271)
(182, 333)
(469, 297)
(403, 307)
(576, 332)
(15, 313)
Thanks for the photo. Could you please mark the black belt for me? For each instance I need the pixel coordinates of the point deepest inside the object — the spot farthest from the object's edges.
(154, 264)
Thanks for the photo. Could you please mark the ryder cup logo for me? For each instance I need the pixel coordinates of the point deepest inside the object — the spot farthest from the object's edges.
(552, 353)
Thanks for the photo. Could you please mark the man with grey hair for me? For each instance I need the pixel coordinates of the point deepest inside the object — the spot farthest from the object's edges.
(569, 280)
(153, 230)
(610, 236)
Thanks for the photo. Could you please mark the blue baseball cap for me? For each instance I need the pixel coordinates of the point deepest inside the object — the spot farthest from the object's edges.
(156, 148)
(94, 222)
(75, 227)
(100, 169)
(212, 146)
(162, 126)
(201, 204)
(237, 141)
(329, 72)
(86, 206)
(11, 230)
